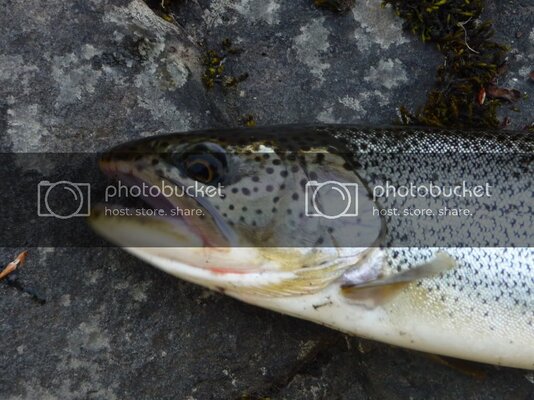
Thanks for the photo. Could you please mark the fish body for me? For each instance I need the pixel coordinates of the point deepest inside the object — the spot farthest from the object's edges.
(280, 234)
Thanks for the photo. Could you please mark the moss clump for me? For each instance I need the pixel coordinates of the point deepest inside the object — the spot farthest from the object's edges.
(248, 120)
(214, 69)
(339, 6)
(473, 61)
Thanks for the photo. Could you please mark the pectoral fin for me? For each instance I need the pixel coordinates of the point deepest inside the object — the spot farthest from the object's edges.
(382, 288)
(440, 263)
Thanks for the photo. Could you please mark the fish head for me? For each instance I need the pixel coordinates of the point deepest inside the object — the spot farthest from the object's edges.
(249, 211)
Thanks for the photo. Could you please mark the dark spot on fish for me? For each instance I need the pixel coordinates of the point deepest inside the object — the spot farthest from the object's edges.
(230, 207)
(245, 191)
(255, 179)
(295, 196)
(284, 174)
(269, 170)
(275, 199)
(269, 188)
(258, 211)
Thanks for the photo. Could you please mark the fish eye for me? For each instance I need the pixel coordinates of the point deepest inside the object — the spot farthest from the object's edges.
(205, 163)
(204, 169)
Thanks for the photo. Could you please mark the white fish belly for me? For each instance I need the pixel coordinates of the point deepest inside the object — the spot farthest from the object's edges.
(483, 310)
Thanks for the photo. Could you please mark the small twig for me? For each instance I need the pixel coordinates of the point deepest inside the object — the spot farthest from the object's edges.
(13, 265)
(462, 25)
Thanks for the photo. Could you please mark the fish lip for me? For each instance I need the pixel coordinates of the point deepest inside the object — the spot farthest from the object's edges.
(124, 168)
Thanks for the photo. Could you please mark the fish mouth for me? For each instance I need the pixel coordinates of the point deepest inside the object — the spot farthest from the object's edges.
(161, 211)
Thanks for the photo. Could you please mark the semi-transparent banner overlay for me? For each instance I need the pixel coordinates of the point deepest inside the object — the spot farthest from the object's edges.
(262, 199)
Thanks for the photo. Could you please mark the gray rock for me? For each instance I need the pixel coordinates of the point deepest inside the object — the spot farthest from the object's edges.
(84, 75)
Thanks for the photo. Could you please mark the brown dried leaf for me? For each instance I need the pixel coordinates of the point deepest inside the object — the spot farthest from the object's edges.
(496, 92)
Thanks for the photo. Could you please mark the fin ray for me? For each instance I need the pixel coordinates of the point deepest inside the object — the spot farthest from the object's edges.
(442, 262)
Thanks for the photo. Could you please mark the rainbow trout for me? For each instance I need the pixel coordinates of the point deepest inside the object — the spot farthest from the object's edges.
(415, 237)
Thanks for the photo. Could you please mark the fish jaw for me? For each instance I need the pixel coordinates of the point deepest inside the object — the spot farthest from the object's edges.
(219, 277)
(257, 272)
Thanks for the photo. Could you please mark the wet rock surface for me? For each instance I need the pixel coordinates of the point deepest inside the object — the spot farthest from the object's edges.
(86, 75)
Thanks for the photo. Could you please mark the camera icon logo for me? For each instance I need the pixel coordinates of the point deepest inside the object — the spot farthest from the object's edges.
(63, 199)
(331, 199)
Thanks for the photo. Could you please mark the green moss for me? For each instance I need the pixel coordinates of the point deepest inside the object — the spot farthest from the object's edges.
(214, 70)
(248, 120)
(472, 62)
